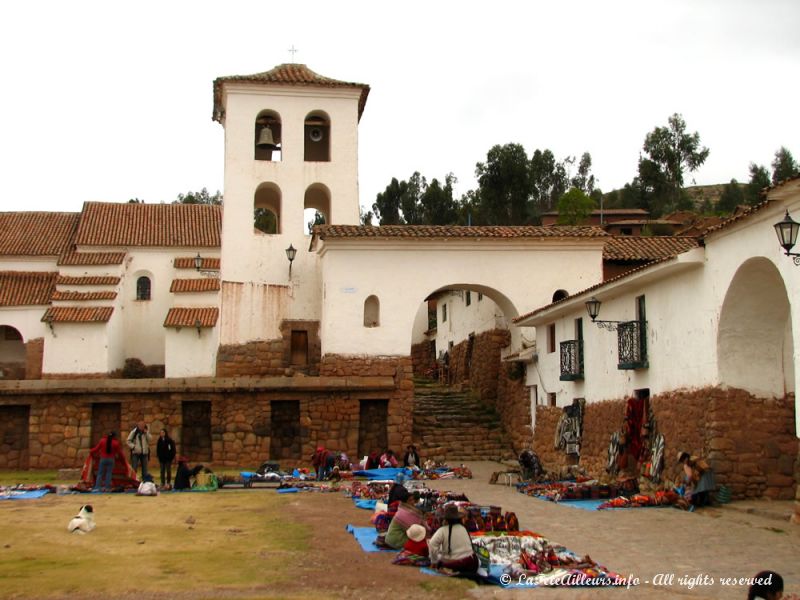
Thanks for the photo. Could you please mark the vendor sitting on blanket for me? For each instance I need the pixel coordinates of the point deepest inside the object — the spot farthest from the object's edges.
(388, 460)
(183, 476)
(451, 547)
(698, 478)
(407, 515)
(147, 487)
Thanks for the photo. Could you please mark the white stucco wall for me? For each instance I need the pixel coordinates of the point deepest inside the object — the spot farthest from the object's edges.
(517, 275)
(251, 256)
(189, 354)
(77, 348)
(25, 319)
(29, 263)
(462, 320)
(683, 313)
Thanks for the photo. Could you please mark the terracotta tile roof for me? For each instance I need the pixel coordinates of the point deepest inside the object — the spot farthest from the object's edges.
(112, 224)
(23, 288)
(285, 74)
(188, 317)
(627, 247)
(78, 314)
(72, 257)
(454, 231)
(35, 233)
(205, 284)
(187, 262)
(82, 296)
(65, 280)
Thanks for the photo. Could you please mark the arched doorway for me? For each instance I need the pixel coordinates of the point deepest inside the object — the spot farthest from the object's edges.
(12, 353)
(755, 347)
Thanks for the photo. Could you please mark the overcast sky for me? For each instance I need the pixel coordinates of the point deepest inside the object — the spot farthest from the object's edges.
(112, 100)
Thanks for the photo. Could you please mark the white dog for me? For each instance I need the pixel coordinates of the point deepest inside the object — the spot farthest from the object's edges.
(83, 522)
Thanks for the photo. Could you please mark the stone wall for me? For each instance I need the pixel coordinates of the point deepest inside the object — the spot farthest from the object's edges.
(34, 355)
(750, 442)
(60, 421)
(401, 399)
(422, 358)
(271, 358)
(514, 406)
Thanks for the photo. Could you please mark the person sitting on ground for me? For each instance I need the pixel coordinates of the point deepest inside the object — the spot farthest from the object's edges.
(411, 458)
(698, 478)
(767, 585)
(374, 460)
(451, 547)
(183, 476)
(388, 460)
(397, 492)
(407, 515)
(147, 487)
(416, 543)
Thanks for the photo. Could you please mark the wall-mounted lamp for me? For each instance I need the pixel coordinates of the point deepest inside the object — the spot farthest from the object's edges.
(291, 252)
(199, 326)
(787, 231)
(198, 261)
(593, 308)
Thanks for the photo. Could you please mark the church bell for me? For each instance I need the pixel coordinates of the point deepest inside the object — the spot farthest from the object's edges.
(265, 140)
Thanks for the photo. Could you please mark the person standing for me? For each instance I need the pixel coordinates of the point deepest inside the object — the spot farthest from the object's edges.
(165, 451)
(107, 450)
(139, 442)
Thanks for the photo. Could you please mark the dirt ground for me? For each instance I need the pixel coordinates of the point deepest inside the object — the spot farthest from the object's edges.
(310, 555)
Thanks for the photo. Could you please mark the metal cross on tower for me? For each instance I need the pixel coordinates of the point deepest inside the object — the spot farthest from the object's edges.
(293, 51)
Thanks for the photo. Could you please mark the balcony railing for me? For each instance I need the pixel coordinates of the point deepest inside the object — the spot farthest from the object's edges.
(571, 360)
(632, 345)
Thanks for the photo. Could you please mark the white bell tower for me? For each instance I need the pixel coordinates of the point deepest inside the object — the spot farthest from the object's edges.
(291, 143)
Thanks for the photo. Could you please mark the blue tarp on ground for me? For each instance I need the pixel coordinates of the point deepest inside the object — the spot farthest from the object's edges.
(32, 495)
(381, 473)
(593, 505)
(366, 504)
(366, 536)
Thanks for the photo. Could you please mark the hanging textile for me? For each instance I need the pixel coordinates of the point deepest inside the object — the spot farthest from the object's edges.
(570, 427)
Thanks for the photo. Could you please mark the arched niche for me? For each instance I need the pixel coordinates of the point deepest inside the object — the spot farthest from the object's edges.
(372, 312)
(317, 137)
(267, 132)
(267, 208)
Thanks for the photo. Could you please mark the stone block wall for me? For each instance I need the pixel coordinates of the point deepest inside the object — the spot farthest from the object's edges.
(401, 400)
(422, 358)
(750, 441)
(253, 359)
(514, 406)
(271, 358)
(34, 355)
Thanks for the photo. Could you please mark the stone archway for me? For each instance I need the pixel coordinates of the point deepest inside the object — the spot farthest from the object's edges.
(755, 347)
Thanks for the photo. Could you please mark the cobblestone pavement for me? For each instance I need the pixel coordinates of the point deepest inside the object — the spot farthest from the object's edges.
(716, 543)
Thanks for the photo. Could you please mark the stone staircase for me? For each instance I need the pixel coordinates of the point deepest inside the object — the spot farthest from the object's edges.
(453, 425)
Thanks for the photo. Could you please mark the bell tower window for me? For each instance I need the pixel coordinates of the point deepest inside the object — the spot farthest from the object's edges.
(316, 206)
(268, 136)
(317, 137)
(267, 209)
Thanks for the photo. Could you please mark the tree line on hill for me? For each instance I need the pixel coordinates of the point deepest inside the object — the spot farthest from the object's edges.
(515, 189)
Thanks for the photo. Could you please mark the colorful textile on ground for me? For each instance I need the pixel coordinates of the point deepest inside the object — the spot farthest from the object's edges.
(123, 477)
(24, 493)
(567, 490)
(405, 557)
(661, 498)
(443, 472)
(366, 536)
(527, 559)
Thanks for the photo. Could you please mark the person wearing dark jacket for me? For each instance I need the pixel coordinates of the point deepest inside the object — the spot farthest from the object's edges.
(411, 458)
(183, 476)
(165, 450)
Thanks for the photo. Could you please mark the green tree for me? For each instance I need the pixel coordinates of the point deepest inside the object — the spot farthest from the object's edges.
(264, 220)
(387, 204)
(411, 201)
(201, 197)
(670, 151)
(504, 184)
(364, 217)
(731, 197)
(438, 204)
(319, 219)
(783, 166)
(548, 181)
(584, 180)
(759, 179)
(574, 207)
